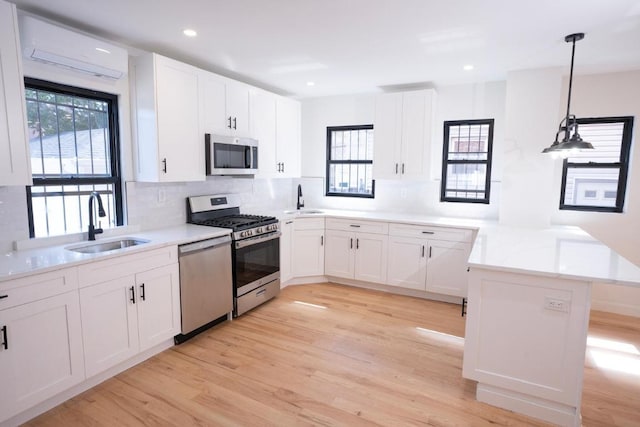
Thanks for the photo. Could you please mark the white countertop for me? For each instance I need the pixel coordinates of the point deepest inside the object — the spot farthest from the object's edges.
(404, 218)
(562, 252)
(21, 263)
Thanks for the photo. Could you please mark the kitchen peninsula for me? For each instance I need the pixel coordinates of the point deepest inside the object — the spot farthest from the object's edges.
(529, 298)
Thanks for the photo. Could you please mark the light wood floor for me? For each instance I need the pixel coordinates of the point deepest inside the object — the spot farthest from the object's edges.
(357, 357)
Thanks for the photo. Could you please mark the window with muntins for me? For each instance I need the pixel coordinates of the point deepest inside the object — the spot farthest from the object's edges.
(350, 161)
(73, 142)
(595, 180)
(466, 161)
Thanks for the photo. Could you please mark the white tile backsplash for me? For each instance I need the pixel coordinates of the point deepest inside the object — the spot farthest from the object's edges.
(416, 197)
(14, 223)
(155, 205)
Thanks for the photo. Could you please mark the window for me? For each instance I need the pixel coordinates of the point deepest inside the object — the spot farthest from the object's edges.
(350, 161)
(73, 142)
(595, 180)
(466, 161)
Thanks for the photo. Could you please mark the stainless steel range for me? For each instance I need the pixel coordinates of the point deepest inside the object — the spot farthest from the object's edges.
(256, 247)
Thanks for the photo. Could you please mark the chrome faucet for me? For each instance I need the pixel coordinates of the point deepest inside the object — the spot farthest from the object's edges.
(300, 203)
(92, 230)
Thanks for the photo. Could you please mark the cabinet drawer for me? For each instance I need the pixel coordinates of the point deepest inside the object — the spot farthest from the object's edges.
(358, 225)
(431, 232)
(36, 287)
(308, 224)
(113, 268)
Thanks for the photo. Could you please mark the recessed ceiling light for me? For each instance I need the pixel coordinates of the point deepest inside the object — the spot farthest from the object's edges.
(468, 67)
(189, 32)
(99, 49)
(311, 83)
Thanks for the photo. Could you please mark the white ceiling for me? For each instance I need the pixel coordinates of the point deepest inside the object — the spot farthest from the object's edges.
(350, 46)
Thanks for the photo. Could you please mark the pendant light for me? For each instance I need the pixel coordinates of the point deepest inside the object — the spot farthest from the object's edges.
(570, 141)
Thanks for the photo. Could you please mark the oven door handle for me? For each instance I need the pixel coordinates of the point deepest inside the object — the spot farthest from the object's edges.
(259, 239)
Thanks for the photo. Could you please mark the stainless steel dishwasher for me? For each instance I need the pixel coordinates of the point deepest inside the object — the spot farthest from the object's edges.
(206, 284)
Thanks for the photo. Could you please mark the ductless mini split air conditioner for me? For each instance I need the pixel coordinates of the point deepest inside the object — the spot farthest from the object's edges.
(51, 44)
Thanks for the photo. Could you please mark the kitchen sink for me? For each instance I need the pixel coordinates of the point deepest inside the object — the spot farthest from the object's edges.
(111, 245)
(304, 211)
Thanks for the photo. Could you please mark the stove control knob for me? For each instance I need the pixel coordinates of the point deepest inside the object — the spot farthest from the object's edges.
(243, 233)
(259, 230)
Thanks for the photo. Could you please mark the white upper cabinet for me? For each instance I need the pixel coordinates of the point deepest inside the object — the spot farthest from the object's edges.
(275, 123)
(170, 146)
(225, 105)
(14, 161)
(263, 128)
(403, 124)
(288, 136)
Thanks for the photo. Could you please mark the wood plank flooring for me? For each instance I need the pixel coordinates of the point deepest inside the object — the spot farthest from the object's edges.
(334, 355)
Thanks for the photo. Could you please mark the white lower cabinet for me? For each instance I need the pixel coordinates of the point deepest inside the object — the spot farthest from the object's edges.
(40, 351)
(124, 316)
(308, 247)
(359, 256)
(429, 258)
(407, 266)
(286, 242)
(447, 267)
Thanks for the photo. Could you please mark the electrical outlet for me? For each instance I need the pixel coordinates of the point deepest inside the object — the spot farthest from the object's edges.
(556, 304)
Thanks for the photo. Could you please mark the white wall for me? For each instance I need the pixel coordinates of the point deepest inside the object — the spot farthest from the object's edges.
(532, 103)
(471, 101)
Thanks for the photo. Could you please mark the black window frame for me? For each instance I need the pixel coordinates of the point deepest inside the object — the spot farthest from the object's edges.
(114, 145)
(446, 162)
(623, 165)
(355, 162)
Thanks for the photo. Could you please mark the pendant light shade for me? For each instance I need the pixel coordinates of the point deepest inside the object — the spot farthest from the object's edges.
(571, 141)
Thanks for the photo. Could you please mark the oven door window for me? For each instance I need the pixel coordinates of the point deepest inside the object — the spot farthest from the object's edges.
(227, 156)
(256, 261)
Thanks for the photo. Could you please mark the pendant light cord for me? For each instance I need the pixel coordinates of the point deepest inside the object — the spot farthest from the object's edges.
(573, 52)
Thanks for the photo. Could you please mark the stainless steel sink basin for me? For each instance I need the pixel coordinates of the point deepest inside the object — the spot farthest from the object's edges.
(111, 245)
(304, 211)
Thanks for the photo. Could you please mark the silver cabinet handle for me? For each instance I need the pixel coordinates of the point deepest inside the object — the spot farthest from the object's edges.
(229, 122)
(428, 232)
(430, 247)
(5, 341)
(261, 292)
(422, 251)
(321, 240)
(396, 168)
(403, 168)
(351, 244)
(354, 225)
(164, 165)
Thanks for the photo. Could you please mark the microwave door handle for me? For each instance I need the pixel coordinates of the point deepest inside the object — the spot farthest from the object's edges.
(247, 157)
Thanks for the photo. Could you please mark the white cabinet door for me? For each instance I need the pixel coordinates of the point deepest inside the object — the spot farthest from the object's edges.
(370, 257)
(288, 137)
(238, 108)
(447, 267)
(169, 144)
(308, 253)
(15, 168)
(286, 242)
(339, 259)
(213, 95)
(388, 136)
(402, 134)
(263, 128)
(158, 303)
(414, 146)
(407, 265)
(109, 323)
(40, 352)
(180, 142)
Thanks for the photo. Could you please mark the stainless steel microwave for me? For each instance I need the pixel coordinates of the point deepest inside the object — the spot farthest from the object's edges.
(228, 155)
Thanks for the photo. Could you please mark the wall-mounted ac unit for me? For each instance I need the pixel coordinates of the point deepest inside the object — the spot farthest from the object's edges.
(48, 43)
